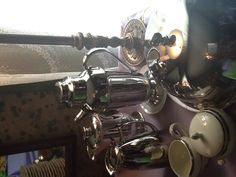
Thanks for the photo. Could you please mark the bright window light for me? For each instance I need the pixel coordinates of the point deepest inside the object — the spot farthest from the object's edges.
(67, 17)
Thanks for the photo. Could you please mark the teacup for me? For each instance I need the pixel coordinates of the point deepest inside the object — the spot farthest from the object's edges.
(184, 160)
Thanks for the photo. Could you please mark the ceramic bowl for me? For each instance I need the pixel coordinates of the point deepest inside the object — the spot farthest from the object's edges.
(213, 133)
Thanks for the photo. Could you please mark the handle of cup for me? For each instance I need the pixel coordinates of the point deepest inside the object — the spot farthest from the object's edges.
(178, 130)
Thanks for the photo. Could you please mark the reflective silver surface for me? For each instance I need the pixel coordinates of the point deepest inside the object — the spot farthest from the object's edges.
(142, 150)
(92, 134)
(198, 76)
(105, 126)
(157, 98)
(104, 90)
(112, 122)
(127, 90)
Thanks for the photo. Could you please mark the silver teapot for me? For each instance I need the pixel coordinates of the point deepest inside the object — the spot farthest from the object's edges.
(99, 126)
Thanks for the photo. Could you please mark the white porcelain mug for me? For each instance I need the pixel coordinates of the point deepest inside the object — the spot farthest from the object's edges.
(184, 160)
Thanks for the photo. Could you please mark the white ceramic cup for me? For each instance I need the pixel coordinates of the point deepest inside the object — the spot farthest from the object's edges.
(184, 160)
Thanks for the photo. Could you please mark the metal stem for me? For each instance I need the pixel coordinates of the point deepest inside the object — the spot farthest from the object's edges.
(89, 41)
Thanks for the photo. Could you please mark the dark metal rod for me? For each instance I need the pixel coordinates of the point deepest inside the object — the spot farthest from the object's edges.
(80, 41)
(36, 39)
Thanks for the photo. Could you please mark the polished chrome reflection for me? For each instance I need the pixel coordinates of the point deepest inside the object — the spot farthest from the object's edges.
(142, 149)
(101, 127)
(102, 89)
(157, 98)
